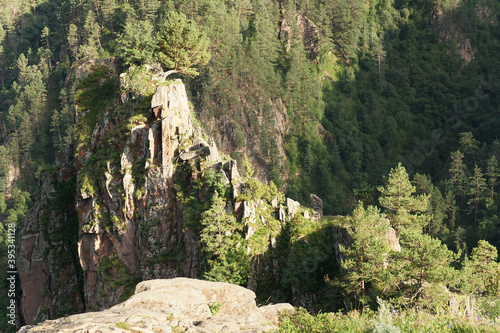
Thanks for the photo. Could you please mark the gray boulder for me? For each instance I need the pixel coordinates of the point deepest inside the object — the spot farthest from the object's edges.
(180, 305)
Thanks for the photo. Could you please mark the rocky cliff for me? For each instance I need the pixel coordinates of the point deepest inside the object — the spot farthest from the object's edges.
(176, 305)
(126, 204)
(47, 262)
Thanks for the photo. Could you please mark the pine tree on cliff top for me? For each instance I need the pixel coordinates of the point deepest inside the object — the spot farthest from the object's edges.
(181, 45)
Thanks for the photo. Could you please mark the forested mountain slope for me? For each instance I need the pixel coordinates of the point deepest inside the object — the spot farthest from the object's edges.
(324, 97)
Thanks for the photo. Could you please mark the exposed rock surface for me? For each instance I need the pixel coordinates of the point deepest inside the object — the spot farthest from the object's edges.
(46, 261)
(11, 176)
(309, 32)
(146, 219)
(181, 304)
(317, 206)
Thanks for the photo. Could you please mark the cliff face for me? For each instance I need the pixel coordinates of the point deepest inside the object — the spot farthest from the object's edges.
(130, 219)
(47, 261)
(120, 222)
(127, 204)
(453, 31)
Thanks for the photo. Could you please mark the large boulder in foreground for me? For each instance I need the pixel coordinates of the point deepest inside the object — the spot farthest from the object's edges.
(180, 305)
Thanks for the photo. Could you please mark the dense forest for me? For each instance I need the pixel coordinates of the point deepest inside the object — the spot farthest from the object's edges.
(391, 114)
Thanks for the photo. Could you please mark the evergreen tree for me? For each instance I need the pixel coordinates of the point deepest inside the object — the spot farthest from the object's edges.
(477, 190)
(62, 122)
(493, 174)
(147, 9)
(107, 10)
(481, 273)
(91, 37)
(366, 256)
(347, 22)
(137, 44)
(423, 260)
(73, 40)
(181, 45)
(397, 196)
(265, 33)
(457, 172)
(2, 58)
(437, 206)
(469, 145)
(45, 53)
(223, 244)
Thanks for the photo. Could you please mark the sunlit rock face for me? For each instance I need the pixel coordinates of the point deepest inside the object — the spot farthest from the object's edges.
(133, 226)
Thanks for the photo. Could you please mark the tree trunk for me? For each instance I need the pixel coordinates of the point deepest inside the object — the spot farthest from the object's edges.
(167, 73)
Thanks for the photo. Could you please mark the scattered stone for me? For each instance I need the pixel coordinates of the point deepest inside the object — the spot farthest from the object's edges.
(272, 311)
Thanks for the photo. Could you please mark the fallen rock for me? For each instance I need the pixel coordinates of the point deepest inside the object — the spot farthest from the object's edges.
(179, 304)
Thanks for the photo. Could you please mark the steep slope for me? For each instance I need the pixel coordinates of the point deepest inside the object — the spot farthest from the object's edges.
(144, 174)
(47, 262)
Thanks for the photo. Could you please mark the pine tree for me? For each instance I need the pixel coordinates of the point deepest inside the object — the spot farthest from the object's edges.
(436, 207)
(45, 55)
(457, 172)
(181, 45)
(470, 146)
(397, 196)
(73, 40)
(243, 8)
(223, 244)
(107, 9)
(493, 174)
(91, 37)
(266, 39)
(147, 10)
(2, 61)
(477, 190)
(481, 273)
(347, 22)
(366, 256)
(137, 44)
(422, 260)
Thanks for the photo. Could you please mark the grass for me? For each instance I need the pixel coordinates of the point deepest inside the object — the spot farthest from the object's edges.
(214, 308)
(123, 325)
(406, 321)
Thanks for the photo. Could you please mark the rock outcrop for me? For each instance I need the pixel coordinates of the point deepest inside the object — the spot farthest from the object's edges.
(132, 219)
(180, 305)
(139, 176)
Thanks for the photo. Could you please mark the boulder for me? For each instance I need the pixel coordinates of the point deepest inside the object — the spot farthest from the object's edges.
(317, 206)
(293, 207)
(178, 304)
